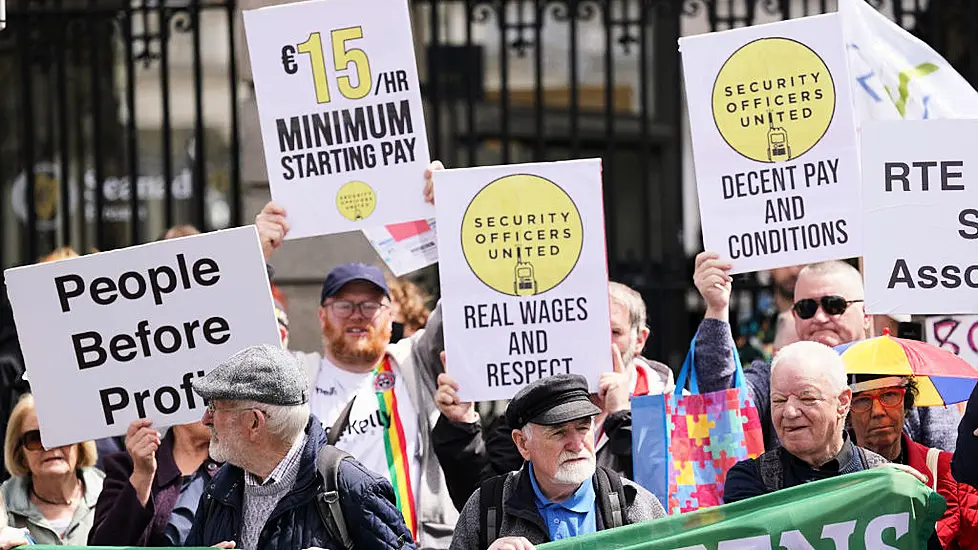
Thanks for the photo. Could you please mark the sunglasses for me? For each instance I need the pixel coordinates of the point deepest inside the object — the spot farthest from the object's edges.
(31, 440)
(889, 399)
(831, 305)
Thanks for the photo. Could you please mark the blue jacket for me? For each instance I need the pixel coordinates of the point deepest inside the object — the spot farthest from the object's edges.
(367, 500)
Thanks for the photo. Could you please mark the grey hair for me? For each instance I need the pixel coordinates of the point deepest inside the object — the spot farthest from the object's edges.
(830, 365)
(528, 433)
(285, 422)
(632, 301)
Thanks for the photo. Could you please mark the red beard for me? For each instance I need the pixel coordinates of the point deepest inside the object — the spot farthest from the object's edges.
(363, 351)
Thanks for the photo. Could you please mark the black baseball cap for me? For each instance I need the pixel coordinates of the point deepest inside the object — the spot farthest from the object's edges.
(550, 401)
(346, 273)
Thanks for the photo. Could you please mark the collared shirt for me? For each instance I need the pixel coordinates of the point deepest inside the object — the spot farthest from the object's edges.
(744, 478)
(572, 517)
(797, 471)
(291, 458)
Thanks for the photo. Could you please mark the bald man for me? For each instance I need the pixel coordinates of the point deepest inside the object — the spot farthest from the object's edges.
(828, 309)
(809, 403)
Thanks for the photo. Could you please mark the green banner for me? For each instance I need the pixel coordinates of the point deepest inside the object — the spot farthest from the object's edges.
(877, 509)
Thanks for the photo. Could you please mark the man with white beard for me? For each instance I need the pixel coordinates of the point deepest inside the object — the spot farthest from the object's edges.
(559, 492)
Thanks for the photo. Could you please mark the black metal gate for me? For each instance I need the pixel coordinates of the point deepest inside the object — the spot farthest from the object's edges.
(119, 119)
(110, 129)
(538, 80)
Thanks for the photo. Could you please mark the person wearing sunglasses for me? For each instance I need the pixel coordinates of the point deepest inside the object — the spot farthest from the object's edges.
(52, 492)
(828, 308)
(876, 419)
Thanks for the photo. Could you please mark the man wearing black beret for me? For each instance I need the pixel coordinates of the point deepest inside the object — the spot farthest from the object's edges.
(559, 492)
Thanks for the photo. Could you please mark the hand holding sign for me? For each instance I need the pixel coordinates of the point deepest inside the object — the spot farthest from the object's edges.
(429, 186)
(446, 398)
(613, 394)
(713, 281)
(272, 228)
(142, 442)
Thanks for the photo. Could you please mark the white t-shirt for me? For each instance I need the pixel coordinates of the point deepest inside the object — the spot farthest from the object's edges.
(364, 436)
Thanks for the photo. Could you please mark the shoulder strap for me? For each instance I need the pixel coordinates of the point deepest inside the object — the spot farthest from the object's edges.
(932, 456)
(611, 497)
(328, 499)
(491, 509)
(342, 421)
(772, 472)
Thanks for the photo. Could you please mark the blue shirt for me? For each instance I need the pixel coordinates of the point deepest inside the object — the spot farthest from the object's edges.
(572, 517)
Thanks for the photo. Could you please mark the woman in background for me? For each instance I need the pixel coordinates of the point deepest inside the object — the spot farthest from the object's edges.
(52, 492)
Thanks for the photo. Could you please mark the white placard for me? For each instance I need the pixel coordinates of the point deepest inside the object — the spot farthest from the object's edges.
(340, 109)
(524, 277)
(920, 195)
(111, 337)
(405, 247)
(774, 143)
(955, 333)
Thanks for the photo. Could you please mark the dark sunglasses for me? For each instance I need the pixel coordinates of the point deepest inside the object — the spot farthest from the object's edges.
(31, 440)
(831, 305)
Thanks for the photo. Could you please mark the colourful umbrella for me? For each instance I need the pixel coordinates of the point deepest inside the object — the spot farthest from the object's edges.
(942, 377)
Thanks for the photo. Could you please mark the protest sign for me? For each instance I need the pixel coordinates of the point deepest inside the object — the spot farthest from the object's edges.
(340, 110)
(955, 333)
(405, 247)
(523, 275)
(894, 511)
(921, 229)
(774, 143)
(115, 336)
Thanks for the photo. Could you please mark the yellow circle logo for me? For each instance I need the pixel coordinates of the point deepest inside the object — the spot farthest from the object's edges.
(522, 235)
(356, 201)
(773, 100)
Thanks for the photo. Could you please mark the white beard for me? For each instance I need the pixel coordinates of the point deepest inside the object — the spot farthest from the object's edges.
(576, 472)
(222, 450)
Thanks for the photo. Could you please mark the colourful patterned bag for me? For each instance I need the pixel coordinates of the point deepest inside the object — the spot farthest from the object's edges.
(683, 445)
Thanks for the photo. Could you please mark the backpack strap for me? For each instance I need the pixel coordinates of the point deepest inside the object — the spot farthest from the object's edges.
(342, 421)
(491, 509)
(932, 456)
(610, 497)
(771, 470)
(328, 499)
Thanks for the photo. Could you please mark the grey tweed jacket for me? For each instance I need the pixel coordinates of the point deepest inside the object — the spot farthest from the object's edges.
(521, 518)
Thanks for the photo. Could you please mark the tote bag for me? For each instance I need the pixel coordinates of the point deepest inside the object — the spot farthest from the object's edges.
(683, 445)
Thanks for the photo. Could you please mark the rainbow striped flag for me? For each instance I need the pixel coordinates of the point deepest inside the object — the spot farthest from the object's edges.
(398, 460)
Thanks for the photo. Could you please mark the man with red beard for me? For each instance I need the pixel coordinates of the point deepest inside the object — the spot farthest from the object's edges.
(374, 398)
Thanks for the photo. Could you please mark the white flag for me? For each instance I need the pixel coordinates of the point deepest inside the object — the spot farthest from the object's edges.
(896, 75)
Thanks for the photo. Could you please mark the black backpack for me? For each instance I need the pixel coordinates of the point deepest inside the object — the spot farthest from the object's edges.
(610, 498)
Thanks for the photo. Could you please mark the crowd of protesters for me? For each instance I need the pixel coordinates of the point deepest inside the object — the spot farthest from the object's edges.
(364, 443)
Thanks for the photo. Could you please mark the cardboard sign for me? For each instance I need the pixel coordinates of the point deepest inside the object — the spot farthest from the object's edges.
(115, 336)
(921, 227)
(405, 247)
(774, 143)
(339, 103)
(523, 275)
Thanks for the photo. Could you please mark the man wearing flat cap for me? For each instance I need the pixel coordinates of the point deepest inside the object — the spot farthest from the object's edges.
(267, 493)
(559, 492)
(376, 399)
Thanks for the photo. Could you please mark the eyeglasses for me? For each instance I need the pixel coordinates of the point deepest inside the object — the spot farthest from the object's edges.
(31, 440)
(344, 308)
(889, 399)
(831, 305)
(212, 410)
